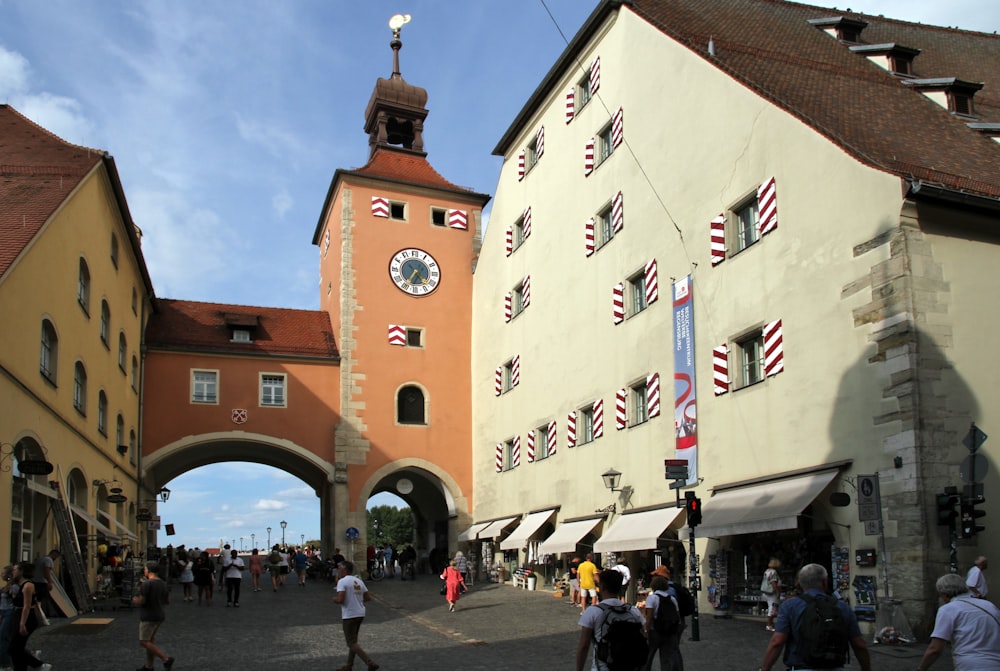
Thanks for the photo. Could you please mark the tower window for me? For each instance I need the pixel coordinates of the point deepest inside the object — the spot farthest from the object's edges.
(439, 217)
(397, 211)
(410, 406)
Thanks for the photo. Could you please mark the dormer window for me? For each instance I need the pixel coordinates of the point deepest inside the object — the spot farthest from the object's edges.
(960, 103)
(241, 326)
(955, 95)
(893, 57)
(844, 28)
(241, 335)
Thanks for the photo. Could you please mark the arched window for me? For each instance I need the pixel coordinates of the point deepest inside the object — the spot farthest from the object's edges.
(131, 446)
(83, 287)
(102, 413)
(49, 356)
(122, 351)
(119, 431)
(105, 323)
(410, 406)
(80, 388)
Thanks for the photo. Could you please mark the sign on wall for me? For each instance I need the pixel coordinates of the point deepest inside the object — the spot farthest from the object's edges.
(685, 398)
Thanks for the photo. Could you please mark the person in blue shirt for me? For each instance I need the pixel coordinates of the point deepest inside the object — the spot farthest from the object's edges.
(812, 579)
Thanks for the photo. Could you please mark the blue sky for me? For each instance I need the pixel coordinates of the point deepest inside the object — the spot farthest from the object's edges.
(228, 119)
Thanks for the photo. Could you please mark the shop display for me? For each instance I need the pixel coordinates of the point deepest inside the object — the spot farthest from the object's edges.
(865, 588)
(840, 571)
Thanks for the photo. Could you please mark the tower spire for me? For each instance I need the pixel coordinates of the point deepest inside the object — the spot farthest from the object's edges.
(396, 111)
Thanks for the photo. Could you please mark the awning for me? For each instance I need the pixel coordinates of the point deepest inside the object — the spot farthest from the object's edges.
(637, 531)
(528, 527)
(45, 489)
(470, 534)
(566, 536)
(124, 529)
(768, 506)
(494, 528)
(93, 521)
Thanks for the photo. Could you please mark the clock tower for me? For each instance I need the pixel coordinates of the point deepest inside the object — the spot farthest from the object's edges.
(398, 244)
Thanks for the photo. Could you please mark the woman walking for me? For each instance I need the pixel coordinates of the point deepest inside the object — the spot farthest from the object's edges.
(26, 621)
(204, 577)
(256, 568)
(186, 578)
(462, 564)
(453, 583)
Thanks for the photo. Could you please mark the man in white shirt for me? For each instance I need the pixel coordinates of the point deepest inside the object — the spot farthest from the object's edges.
(971, 625)
(976, 579)
(352, 595)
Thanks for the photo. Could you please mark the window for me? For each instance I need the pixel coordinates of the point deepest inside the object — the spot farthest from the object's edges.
(410, 406)
(49, 355)
(119, 431)
(605, 226)
(508, 455)
(585, 425)
(80, 388)
(605, 145)
(750, 351)
(135, 302)
(122, 353)
(439, 217)
(414, 337)
(131, 446)
(583, 92)
(204, 386)
(134, 378)
(900, 65)
(114, 250)
(102, 413)
(518, 298)
(272, 390)
(241, 335)
(518, 236)
(747, 218)
(542, 442)
(637, 293)
(83, 287)
(508, 376)
(397, 211)
(105, 323)
(640, 407)
(960, 103)
(531, 155)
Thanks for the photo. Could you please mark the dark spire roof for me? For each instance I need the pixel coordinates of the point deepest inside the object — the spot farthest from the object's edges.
(397, 109)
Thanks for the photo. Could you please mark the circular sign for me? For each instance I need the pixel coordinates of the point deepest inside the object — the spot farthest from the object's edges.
(404, 486)
(353, 533)
(974, 468)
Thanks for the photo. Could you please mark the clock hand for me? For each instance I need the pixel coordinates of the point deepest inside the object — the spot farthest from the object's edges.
(416, 271)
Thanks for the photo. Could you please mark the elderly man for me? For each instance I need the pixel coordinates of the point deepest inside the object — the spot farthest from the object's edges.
(976, 579)
(813, 581)
(971, 625)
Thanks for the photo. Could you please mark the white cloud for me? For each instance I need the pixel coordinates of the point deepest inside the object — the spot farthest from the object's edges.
(282, 202)
(270, 504)
(14, 74)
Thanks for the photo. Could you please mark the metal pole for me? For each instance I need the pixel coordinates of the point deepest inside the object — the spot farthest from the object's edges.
(693, 585)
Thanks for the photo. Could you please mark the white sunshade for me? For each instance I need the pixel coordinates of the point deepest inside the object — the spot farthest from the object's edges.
(124, 529)
(494, 528)
(769, 506)
(567, 535)
(637, 531)
(93, 521)
(470, 534)
(528, 527)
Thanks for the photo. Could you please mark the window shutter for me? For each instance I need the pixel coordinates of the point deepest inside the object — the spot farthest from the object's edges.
(515, 371)
(618, 303)
(551, 438)
(718, 239)
(520, 166)
(618, 212)
(540, 142)
(526, 292)
(499, 457)
(570, 103)
(595, 75)
(531, 446)
(510, 241)
(571, 429)
(526, 225)
(507, 309)
(588, 236)
(516, 457)
(380, 206)
(397, 335)
(458, 219)
(652, 285)
(720, 368)
(621, 418)
(617, 128)
(598, 418)
(774, 355)
(498, 381)
(653, 394)
(767, 206)
(588, 157)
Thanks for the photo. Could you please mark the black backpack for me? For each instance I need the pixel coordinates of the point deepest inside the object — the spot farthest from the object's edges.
(621, 644)
(685, 600)
(666, 619)
(823, 634)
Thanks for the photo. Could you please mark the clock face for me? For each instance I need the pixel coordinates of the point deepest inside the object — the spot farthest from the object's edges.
(414, 271)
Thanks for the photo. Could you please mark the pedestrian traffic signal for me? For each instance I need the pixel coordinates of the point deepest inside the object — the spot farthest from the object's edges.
(969, 517)
(692, 504)
(946, 512)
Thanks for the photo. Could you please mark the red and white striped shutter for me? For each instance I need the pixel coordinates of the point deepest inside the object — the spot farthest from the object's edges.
(571, 429)
(767, 206)
(718, 239)
(397, 335)
(720, 368)
(507, 310)
(588, 157)
(618, 303)
(540, 142)
(510, 241)
(515, 459)
(621, 418)
(595, 75)
(526, 224)
(653, 394)
(588, 236)
(617, 127)
(498, 381)
(598, 418)
(531, 446)
(652, 284)
(774, 353)
(550, 437)
(618, 212)
(380, 206)
(526, 291)
(458, 219)
(520, 166)
(570, 103)
(499, 457)
(515, 371)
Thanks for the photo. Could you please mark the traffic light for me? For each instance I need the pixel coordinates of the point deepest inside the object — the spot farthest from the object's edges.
(692, 504)
(946, 512)
(969, 517)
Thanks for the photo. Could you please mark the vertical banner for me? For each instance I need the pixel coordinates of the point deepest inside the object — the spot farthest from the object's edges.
(685, 404)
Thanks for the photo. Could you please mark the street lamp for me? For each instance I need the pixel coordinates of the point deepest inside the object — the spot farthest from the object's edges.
(269, 538)
(302, 537)
(253, 541)
(241, 543)
(283, 525)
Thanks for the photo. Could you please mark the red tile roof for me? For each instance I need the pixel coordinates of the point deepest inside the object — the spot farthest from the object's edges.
(202, 327)
(404, 166)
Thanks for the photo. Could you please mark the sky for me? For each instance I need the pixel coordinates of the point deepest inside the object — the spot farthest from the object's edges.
(228, 119)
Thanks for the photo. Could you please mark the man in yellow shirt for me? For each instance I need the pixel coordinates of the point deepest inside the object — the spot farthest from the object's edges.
(588, 581)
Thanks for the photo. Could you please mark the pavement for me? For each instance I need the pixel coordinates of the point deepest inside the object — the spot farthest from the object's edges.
(408, 626)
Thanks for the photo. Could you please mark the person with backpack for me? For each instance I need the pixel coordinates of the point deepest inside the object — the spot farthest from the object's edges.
(614, 628)
(814, 629)
(663, 625)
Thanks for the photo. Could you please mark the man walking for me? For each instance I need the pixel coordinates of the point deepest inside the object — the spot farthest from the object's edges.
(976, 579)
(595, 618)
(44, 580)
(352, 595)
(151, 599)
(971, 625)
(797, 624)
(588, 583)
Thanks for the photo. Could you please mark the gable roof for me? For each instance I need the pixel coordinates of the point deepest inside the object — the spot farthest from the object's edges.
(208, 327)
(770, 47)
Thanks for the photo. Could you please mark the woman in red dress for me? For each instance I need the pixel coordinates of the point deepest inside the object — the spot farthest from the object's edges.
(454, 584)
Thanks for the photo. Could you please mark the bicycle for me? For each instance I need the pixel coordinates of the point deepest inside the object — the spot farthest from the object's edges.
(377, 572)
(409, 571)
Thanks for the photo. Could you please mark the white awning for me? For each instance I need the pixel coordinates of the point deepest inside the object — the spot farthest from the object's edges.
(566, 536)
(528, 527)
(41, 489)
(470, 534)
(124, 529)
(769, 506)
(93, 521)
(637, 531)
(493, 529)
